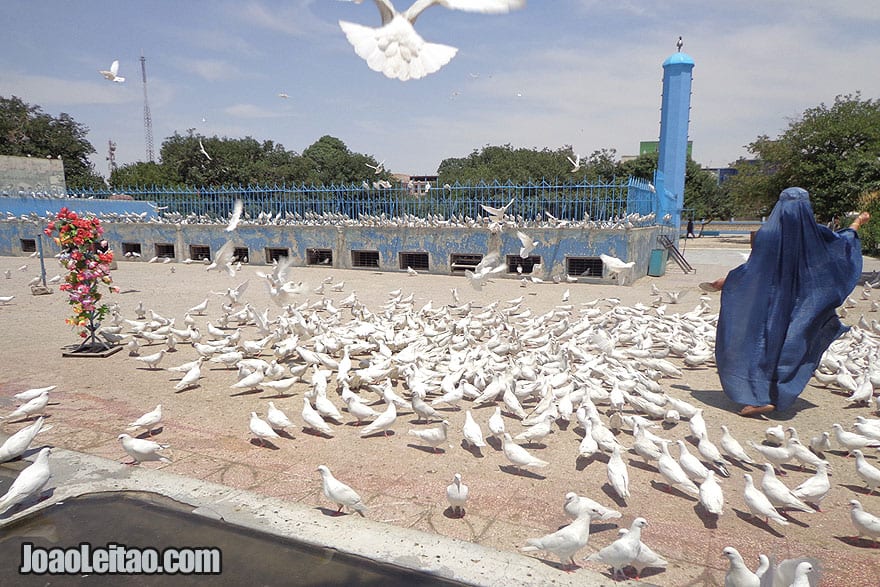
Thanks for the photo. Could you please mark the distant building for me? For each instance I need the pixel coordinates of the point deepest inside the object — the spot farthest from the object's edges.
(722, 174)
(416, 184)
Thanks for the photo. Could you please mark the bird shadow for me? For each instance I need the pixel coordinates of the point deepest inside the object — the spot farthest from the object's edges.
(612, 495)
(858, 541)
(277, 396)
(583, 462)
(494, 442)
(857, 488)
(128, 291)
(452, 514)
(285, 434)
(187, 388)
(379, 433)
(29, 502)
(313, 432)
(474, 450)
(510, 469)
(330, 512)
(265, 444)
(563, 424)
(150, 433)
(356, 423)
(534, 445)
(757, 522)
(710, 520)
(418, 421)
(247, 392)
(596, 528)
(637, 464)
(426, 449)
(787, 515)
(669, 490)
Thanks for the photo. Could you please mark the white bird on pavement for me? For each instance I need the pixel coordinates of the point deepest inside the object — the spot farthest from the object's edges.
(866, 523)
(473, 434)
(18, 443)
(575, 504)
(519, 456)
(623, 551)
(617, 474)
(738, 574)
(261, 429)
(672, 472)
(779, 494)
(566, 541)
(732, 447)
(776, 455)
(868, 472)
(758, 503)
(851, 440)
(29, 394)
(383, 422)
(199, 309)
(711, 495)
(192, 376)
(152, 361)
(814, 489)
(340, 493)
(360, 410)
(496, 423)
(29, 483)
(148, 421)
(30, 408)
(313, 419)
(141, 449)
(456, 495)
(396, 50)
(277, 419)
(694, 468)
(432, 437)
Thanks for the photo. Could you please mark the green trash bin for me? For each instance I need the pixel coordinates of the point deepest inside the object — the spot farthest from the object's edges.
(657, 266)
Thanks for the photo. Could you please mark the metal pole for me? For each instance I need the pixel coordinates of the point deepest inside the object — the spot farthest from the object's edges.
(42, 263)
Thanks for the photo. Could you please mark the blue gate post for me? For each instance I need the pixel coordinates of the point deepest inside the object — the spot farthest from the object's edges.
(674, 119)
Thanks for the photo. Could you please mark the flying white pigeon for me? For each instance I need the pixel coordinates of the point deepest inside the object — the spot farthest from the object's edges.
(112, 73)
(30, 482)
(617, 267)
(528, 245)
(456, 495)
(148, 421)
(235, 218)
(575, 163)
(396, 49)
(340, 493)
(18, 443)
(203, 151)
(140, 449)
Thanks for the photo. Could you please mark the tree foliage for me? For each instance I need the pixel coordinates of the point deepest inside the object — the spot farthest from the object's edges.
(831, 151)
(26, 130)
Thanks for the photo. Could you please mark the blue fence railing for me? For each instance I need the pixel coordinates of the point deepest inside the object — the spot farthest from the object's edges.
(564, 200)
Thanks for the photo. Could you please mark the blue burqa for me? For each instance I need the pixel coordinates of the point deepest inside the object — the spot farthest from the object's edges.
(778, 309)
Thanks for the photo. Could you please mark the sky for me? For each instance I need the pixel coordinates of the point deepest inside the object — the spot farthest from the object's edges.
(584, 73)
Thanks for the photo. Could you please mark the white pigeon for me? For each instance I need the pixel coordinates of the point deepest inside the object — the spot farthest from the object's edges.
(237, 209)
(141, 449)
(191, 377)
(814, 489)
(539, 431)
(802, 575)
(383, 422)
(617, 474)
(203, 151)
(277, 419)
(340, 493)
(261, 429)
(694, 468)
(851, 440)
(112, 74)
(29, 483)
(575, 163)
(432, 437)
(30, 408)
(623, 551)
(360, 410)
(866, 523)
(473, 434)
(617, 267)
(528, 245)
(18, 443)
(152, 361)
(566, 541)
(456, 495)
(758, 503)
(396, 50)
(711, 495)
(422, 408)
(29, 394)
(672, 472)
(148, 421)
(779, 494)
(732, 447)
(868, 472)
(575, 504)
(738, 574)
(519, 456)
(496, 423)
(313, 419)
(199, 309)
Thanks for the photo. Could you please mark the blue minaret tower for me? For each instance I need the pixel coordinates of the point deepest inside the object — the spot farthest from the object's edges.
(674, 118)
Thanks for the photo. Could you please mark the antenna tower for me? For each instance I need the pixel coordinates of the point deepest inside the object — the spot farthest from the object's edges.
(111, 156)
(148, 120)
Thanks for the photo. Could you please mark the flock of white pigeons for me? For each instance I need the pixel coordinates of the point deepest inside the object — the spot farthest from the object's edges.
(600, 366)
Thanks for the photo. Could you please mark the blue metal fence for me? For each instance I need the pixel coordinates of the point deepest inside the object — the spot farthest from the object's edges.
(565, 200)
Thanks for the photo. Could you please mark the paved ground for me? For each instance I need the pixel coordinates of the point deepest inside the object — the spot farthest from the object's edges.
(207, 426)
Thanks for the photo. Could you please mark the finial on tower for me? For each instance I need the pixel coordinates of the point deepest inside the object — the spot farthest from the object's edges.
(679, 44)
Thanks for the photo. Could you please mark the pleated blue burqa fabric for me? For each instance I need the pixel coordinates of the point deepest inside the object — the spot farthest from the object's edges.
(778, 309)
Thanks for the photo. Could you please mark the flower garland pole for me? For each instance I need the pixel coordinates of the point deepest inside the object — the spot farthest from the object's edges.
(88, 263)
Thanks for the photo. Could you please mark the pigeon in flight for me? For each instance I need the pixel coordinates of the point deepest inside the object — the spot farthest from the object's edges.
(397, 50)
(111, 74)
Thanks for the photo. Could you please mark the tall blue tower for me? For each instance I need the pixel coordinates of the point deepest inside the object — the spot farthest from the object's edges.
(674, 118)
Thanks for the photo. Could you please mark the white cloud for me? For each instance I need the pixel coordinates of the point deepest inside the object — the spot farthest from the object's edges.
(249, 111)
(211, 69)
(297, 20)
(52, 91)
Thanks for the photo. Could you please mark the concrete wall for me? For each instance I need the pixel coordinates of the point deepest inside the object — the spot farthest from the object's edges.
(439, 243)
(31, 174)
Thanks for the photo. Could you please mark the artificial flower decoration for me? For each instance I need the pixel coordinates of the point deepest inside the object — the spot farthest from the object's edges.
(88, 267)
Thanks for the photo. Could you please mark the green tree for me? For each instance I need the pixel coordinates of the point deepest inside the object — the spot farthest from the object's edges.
(506, 163)
(331, 162)
(140, 174)
(831, 151)
(27, 130)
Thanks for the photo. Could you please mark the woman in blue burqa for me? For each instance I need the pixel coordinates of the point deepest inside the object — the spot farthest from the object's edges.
(778, 309)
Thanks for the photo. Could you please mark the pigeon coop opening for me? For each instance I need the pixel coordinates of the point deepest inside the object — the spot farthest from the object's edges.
(527, 264)
(164, 250)
(460, 262)
(199, 252)
(584, 266)
(131, 249)
(417, 261)
(319, 256)
(365, 258)
(240, 254)
(273, 254)
(28, 245)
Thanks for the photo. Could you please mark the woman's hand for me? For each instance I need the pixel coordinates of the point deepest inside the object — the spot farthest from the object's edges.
(860, 220)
